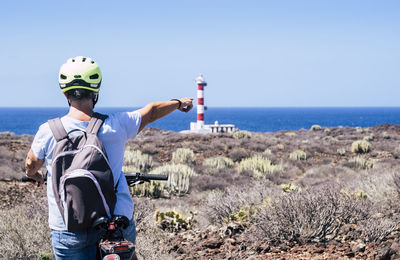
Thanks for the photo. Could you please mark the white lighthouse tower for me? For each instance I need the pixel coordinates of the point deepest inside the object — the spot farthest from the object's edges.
(201, 83)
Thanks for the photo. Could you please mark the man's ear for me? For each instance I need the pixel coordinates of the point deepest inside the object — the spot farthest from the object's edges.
(66, 96)
(95, 98)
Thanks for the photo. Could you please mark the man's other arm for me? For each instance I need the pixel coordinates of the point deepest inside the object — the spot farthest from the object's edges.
(32, 167)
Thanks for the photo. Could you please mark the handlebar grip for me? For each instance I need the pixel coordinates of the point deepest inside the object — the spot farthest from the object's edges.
(141, 176)
(156, 177)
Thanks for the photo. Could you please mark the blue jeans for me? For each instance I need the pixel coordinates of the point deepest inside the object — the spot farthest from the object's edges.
(83, 245)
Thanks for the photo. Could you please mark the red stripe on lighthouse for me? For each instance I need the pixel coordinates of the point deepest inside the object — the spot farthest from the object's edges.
(200, 117)
(200, 101)
(200, 87)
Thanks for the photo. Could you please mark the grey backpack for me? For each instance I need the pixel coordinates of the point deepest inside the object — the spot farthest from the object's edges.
(82, 179)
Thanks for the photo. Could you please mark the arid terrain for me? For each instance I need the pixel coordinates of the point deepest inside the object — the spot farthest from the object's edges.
(319, 193)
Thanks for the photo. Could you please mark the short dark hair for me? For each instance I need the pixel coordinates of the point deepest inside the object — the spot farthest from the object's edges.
(80, 94)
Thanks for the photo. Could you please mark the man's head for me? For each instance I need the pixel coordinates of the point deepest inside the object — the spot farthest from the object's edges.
(80, 79)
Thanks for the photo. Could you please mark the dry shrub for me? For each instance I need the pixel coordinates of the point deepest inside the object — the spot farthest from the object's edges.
(378, 184)
(238, 153)
(219, 179)
(11, 166)
(220, 205)
(313, 215)
(24, 231)
(396, 182)
(143, 213)
(376, 229)
(175, 138)
(149, 240)
(149, 148)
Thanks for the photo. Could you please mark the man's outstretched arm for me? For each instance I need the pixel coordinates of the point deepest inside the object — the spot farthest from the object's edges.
(157, 110)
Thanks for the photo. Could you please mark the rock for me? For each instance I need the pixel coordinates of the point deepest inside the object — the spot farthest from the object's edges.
(395, 247)
(357, 246)
(384, 253)
(212, 243)
(318, 250)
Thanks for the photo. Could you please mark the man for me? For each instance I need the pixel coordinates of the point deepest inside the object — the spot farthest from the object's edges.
(80, 80)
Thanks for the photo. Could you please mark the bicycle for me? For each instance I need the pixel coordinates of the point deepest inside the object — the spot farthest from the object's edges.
(112, 245)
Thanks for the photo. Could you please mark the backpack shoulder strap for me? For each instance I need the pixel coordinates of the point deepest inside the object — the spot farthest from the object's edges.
(57, 129)
(95, 123)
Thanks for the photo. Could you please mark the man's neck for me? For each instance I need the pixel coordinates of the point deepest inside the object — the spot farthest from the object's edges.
(82, 113)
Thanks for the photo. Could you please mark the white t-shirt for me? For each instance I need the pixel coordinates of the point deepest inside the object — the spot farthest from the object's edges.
(114, 133)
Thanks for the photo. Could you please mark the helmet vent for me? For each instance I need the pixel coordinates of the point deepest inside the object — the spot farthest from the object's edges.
(77, 76)
(92, 62)
(73, 60)
(83, 59)
(62, 76)
(94, 76)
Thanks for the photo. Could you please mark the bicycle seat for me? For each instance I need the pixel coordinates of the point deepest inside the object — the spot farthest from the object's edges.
(120, 221)
(101, 223)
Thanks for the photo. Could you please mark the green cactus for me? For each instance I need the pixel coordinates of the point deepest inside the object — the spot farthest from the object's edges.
(183, 156)
(140, 161)
(244, 215)
(316, 128)
(179, 177)
(361, 146)
(153, 189)
(298, 155)
(341, 151)
(385, 135)
(362, 163)
(241, 135)
(174, 221)
(290, 134)
(259, 165)
(219, 162)
(290, 187)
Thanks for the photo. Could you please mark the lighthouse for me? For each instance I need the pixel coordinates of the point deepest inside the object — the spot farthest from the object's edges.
(201, 83)
(199, 126)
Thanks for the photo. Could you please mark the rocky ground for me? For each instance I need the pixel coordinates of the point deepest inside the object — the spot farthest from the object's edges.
(230, 240)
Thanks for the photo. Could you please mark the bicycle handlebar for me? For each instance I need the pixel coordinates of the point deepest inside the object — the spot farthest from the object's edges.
(136, 178)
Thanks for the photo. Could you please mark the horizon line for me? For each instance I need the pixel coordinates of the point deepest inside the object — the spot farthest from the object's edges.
(130, 107)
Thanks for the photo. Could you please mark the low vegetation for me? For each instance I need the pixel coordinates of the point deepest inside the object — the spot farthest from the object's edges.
(238, 195)
(361, 146)
(259, 166)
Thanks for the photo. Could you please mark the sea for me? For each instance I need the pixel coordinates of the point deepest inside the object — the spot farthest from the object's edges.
(27, 120)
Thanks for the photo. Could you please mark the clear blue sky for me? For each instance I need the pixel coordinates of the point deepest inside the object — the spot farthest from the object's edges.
(252, 53)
